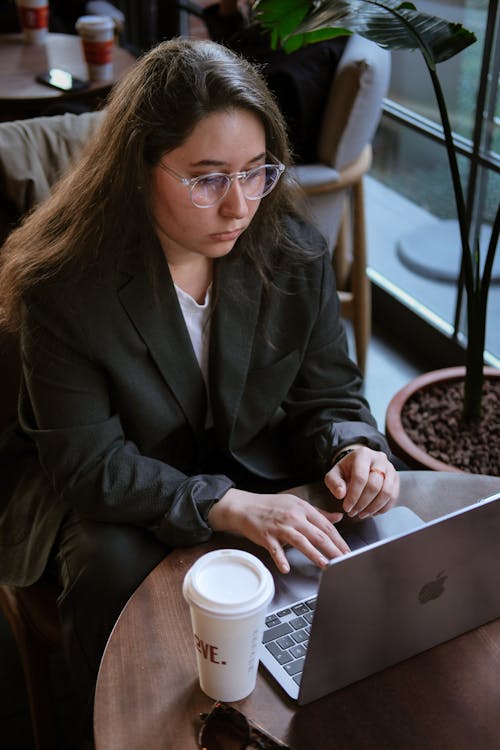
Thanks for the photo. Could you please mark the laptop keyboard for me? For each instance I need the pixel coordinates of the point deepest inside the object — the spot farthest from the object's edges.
(286, 636)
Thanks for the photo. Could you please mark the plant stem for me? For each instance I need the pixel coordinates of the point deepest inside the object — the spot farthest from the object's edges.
(476, 312)
(474, 374)
(477, 323)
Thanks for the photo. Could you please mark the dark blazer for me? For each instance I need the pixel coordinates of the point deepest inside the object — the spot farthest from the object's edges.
(113, 404)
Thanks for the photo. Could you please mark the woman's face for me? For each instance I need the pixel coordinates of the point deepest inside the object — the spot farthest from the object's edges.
(231, 141)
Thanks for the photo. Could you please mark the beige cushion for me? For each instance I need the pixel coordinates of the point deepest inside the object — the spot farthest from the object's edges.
(35, 152)
(309, 175)
(351, 116)
(354, 105)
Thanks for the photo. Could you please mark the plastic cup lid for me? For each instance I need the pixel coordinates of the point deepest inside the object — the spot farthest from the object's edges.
(228, 582)
(99, 23)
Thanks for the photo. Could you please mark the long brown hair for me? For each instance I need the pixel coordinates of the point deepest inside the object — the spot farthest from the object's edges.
(102, 209)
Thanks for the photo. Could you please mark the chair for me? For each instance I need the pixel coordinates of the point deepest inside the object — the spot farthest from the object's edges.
(33, 617)
(33, 153)
(32, 611)
(333, 187)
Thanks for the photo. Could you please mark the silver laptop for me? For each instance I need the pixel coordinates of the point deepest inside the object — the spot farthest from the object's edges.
(406, 586)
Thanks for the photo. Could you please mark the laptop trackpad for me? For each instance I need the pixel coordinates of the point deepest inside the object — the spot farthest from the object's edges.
(398, 520)
(302, 581)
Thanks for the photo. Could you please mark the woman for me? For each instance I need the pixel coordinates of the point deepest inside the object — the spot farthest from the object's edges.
(183, 357)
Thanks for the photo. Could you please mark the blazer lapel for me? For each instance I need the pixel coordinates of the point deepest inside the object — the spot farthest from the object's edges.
(158, 318)
(238, 294)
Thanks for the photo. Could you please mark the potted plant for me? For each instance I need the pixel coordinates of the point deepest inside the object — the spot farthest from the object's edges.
(399, 25)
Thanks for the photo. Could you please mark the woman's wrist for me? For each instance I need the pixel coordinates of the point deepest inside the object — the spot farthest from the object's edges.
(219, 517)
(337, 457)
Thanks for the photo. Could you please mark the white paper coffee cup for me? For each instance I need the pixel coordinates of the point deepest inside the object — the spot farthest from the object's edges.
(228, 592)
(34, 19)
(97, 34)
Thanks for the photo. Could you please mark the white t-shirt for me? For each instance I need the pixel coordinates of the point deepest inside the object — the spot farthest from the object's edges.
(197, 318)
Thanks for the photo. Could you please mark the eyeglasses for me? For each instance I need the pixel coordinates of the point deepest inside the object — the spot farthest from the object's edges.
(225, 728)
(207, 190)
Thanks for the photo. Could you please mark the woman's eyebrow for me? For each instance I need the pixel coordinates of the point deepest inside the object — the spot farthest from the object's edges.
(217, 163)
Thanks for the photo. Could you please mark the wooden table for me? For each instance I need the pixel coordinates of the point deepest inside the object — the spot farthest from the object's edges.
(21, 95)
(148, 696)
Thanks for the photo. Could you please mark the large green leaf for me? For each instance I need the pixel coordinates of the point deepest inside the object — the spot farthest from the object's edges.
(282, 18)
(390, 23)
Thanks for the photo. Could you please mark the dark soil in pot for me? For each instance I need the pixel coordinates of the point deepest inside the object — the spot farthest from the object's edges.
(432, 419)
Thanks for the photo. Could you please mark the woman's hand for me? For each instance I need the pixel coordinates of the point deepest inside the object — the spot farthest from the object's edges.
(279, 519)
(365, 481)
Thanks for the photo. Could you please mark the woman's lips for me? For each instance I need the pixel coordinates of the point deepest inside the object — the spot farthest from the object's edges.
(227, 236)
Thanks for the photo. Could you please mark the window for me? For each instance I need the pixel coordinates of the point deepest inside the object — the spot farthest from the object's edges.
(413, 236)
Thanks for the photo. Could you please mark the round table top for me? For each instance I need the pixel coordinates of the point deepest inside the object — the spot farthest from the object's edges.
(148, 696)
(21, 62)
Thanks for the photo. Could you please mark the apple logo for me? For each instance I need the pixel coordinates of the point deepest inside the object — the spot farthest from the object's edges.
(432, 589)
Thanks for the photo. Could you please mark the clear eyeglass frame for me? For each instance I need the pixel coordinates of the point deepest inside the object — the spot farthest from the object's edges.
(218, 184)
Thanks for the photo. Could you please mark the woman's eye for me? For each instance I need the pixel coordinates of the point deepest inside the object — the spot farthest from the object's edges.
(256, 176)
(212, 182)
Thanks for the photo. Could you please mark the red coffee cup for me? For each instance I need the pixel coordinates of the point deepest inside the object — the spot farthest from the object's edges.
(34, 19)
(97, 34)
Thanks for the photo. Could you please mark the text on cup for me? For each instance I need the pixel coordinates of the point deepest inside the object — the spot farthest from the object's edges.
(207, 650)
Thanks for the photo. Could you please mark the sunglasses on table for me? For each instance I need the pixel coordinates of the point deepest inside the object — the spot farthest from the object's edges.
(226, 728)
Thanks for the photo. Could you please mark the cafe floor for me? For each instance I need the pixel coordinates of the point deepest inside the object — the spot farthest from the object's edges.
(388, 369)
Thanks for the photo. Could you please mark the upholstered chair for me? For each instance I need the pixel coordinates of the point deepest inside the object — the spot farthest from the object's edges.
(333, 186)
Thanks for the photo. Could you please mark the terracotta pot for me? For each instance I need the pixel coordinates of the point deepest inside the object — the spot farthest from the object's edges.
(401, 445)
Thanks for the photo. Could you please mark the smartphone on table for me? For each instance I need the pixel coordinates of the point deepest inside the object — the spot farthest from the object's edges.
(61, 80)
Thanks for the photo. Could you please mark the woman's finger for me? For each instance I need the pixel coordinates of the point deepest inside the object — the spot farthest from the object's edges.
(386, 499)
(277, 552)
(318, 540)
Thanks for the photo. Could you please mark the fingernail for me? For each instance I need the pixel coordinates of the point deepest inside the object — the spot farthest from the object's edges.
(364, 515)
(322, 561)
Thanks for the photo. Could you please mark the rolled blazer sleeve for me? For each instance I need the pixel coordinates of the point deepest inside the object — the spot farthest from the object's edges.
(67, 408)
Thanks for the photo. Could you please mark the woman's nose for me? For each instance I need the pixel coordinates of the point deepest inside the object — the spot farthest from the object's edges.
(234, 202)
